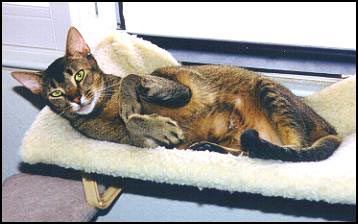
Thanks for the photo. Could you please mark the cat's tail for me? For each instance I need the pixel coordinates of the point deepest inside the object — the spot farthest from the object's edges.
(259, 148)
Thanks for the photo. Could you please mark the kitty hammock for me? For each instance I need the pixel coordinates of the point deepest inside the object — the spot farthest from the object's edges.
(332, 180)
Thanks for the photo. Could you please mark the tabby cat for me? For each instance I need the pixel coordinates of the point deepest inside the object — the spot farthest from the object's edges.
(212, 107)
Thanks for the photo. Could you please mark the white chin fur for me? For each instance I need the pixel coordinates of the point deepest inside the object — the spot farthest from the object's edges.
(75, 107)
(86, 109)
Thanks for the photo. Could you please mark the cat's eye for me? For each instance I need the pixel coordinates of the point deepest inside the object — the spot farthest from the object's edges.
(79, 75)
(56, 93)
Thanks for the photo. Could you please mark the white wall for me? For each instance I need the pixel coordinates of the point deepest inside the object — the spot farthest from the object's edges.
(39, 30)
(35, 25)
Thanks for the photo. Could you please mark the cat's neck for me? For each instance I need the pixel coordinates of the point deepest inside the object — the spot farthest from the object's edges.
(111, 85)
(111, 78)
(110, 102)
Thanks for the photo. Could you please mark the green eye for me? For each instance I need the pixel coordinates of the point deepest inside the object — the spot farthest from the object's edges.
(56, 93)
(79, 75)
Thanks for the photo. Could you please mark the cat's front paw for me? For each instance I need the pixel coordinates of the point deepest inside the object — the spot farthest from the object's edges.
(159, 130)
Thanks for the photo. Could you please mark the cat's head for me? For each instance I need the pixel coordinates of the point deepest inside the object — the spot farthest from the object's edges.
(73, 83)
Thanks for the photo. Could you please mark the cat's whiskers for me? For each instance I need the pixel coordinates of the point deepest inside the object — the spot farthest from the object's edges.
(106, 94)
(107, 88)
(108, 91)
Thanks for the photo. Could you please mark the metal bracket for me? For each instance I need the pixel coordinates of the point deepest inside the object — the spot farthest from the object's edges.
(94, 198)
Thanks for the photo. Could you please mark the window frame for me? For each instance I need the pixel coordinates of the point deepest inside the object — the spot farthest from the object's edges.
(268, 58)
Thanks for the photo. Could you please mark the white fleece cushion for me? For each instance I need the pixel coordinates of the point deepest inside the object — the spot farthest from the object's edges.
(337, 104)
(332, 180)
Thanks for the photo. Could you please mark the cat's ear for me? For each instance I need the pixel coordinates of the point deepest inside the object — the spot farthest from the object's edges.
(31, 80)
(76, 45)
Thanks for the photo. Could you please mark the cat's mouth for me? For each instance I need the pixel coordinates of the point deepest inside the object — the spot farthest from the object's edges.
(86, 106)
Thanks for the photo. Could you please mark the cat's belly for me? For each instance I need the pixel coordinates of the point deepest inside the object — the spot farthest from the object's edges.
(200, 120)
(225, 129)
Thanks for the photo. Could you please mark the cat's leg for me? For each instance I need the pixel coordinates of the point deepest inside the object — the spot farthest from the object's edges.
(293, 122)
(285, 112)
(153, 89)
(162, 91)
(128, 100)
(277, 103)
(150, 130)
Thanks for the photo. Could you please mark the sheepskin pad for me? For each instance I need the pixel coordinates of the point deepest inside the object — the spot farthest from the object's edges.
(52, 140)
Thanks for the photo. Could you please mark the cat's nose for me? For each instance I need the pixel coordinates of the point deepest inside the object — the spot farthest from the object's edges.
(77, 99)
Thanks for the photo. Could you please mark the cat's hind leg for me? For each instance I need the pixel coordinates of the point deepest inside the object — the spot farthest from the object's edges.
(280, 108)
(287, 115)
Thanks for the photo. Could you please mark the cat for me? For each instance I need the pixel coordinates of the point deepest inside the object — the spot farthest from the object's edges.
(207, 107)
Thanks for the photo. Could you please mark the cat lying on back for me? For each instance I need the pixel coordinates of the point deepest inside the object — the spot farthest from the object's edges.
(203, 107)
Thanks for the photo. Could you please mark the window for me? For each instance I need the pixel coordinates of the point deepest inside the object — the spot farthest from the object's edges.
(305, 41)
(331, 25)
(315, 39)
